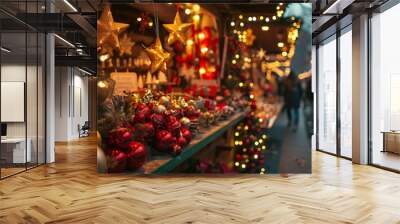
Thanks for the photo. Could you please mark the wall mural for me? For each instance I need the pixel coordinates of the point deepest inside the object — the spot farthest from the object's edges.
(190, 88)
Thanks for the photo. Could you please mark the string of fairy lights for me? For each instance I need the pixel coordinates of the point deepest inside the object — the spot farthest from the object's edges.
(239, 26)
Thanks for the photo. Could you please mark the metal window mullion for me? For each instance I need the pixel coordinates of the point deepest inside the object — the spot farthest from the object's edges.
(317, 96)
(26, 87)
(338, 94)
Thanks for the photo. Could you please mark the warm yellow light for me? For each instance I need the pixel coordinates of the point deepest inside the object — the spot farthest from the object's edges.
(243, 166)
(240, 16)
(255, 156)
(202, 71)
(188, 11)
(281, 3)
(204, 50)
(202, 36)
(234, 31)
(254, 18)
(280, 44)
(251, 96)
(189, 42)
(241, 85)
(277, 8)
(232, 23)
(255, 143)
(196, 7)
(237, 163)
(236, 134)
(274, 18)
(246, 127)
(244, 150)
(284, 54)
(251, 84)
(196, 17)
(242, 24)
(260, 141)
(250, 18)
(263, 147)
(104, 57)
(264, 136)
(237, 56)
(101, 84)
(234, 61)
(261, 17)
(267, 19)
(139, 19)
(265, 28)
(150, 24)
(236, 142)
(260, 120)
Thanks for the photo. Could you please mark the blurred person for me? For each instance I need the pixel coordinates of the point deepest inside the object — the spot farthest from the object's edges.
(292, 94)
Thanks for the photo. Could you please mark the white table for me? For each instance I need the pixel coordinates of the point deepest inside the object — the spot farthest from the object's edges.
(17, 145)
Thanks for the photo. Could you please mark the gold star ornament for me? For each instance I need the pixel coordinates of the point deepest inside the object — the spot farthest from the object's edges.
(108, 30)
(158, 56)
(261, 54)
(177, 30)
(125, 45)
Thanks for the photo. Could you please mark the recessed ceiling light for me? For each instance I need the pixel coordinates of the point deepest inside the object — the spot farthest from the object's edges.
(64, 40)
(5, 50)
(70, 5)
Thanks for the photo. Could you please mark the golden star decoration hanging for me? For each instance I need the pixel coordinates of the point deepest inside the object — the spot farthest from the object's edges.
(177, 30)
(158, 56)
(261, 54)
(108, 30)
(126, 45)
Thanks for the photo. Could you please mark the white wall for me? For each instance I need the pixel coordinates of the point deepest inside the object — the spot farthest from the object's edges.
(71, 102)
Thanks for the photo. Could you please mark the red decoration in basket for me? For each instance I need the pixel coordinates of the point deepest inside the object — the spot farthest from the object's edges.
(158, 120)
(118, 137)
(173, 125)
(186, 134)
(136, 156)
(164, 140)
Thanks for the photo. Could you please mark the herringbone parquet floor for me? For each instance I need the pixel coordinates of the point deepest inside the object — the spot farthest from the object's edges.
(70, 191)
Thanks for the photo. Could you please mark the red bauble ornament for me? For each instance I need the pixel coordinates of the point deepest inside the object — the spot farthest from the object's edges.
(136, 156)
(119, 136)
(118, 161)
(139, 117)
(145, 130)
(176, 149)
(173, 125)
(117, 155)
(164, 140)
(253, 105)
(182, 141)
(186, 134)
(157, 120)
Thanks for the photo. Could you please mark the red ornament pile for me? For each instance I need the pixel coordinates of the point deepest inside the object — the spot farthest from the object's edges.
(125, 153)
(160, 126)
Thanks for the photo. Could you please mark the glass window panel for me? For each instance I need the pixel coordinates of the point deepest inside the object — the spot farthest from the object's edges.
(327, 96)
(385, 89)
(346, 94)
(13, 86)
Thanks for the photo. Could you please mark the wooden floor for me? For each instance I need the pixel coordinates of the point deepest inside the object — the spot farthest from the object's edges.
(70, 191)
